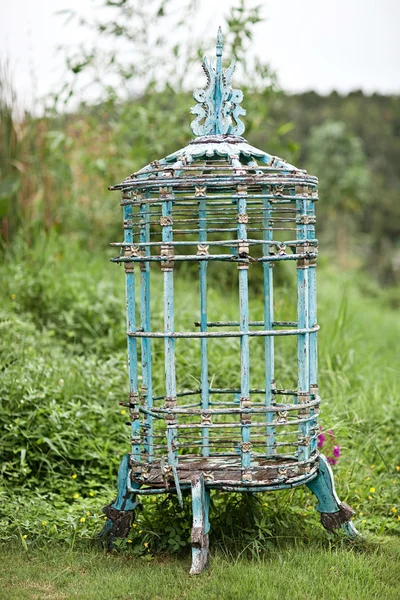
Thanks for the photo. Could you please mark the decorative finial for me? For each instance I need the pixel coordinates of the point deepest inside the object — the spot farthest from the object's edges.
(218, 110)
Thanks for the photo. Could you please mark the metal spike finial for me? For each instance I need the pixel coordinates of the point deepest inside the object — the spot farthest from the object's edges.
(219, 44)
(218, 110)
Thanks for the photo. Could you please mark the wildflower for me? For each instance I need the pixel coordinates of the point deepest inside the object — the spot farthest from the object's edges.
(146, 544)
(372, 466)
(91, 494)
(372, 490)
(265, 503)
(367, 478)
(394, 509)
(123, 412)
(361, 514)
(321, 439)
(13, 296)
(82, 519)
(331, 433)
(364, 521)
(76, 496)
(336, 451)
(397, 467)
(141, 531)
(369, 497)
(129, 541)
(74, 476)
(332, 461)
(134, 525)
(25, 536)
(44, 522)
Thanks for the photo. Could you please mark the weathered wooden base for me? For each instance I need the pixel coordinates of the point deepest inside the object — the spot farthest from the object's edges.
(120, 514)
(201, 525)
(224, 471)
(334, 514)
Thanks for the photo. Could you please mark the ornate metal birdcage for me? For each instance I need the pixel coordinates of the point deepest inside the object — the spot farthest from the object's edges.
(220, 203)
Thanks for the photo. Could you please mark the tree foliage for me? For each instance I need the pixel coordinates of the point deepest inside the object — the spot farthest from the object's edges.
(55, 169)
(139, 46)
(338, 158)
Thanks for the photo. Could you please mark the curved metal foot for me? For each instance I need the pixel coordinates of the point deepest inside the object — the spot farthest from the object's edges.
(201, 525)
(350, 530)
(120, 513)
(334, 514)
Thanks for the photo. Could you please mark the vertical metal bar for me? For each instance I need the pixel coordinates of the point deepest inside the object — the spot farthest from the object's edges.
(201, 525)
(268, 325)
(146, 388)
(312, 316)
(205, 395)
(167, 267)
(243, 251)
(131, 325)
(169, 345)
(303, 392)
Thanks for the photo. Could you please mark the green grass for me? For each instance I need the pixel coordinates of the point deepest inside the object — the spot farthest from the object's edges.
(319, 570)
(63, 360)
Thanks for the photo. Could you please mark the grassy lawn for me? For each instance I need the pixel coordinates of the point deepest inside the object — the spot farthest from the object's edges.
(320, 570)
(63, 358)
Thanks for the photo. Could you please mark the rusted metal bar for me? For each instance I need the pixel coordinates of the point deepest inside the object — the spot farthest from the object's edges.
(233, 242)
(217, 257)
(223, 334)
(147, 380)
(251, 323)
(277, 423)
(202, 250)
(167, 266)
(132, 342)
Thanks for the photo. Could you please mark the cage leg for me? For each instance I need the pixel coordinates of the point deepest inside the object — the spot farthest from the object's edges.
(121, 512)
(201, 525)
(334, 514)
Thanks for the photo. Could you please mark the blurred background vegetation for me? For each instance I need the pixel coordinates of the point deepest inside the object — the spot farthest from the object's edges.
(62, 347)
(55, 168)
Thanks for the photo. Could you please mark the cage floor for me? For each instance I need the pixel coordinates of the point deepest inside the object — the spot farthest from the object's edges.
(223, 470)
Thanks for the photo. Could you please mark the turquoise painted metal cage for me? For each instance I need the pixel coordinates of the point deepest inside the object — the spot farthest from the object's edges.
(221, 205)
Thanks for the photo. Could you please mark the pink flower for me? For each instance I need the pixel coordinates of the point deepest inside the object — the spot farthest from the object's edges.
(336, 451)
(321, 440)
(332, 461)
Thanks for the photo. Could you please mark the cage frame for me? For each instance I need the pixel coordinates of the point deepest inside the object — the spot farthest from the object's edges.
(219, 170)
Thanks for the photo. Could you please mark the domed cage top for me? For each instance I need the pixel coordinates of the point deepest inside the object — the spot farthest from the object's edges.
(220, 206)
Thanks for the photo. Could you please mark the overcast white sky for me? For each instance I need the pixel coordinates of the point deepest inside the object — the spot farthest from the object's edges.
(312, 44)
